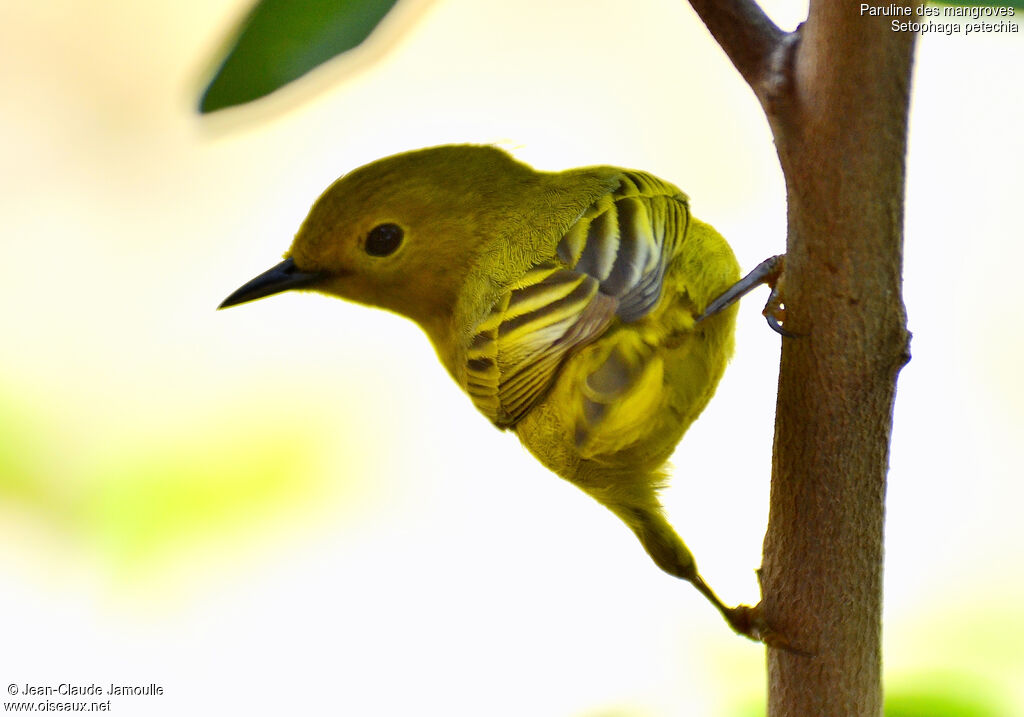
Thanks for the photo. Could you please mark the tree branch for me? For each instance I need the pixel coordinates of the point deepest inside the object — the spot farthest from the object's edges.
(836, 94)
(750, 39)
(842, 150)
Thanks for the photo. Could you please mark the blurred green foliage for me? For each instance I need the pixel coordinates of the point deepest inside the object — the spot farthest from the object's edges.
(282, 40)
(179, 494)
(938, 702)
(134, 503)
(949, 695)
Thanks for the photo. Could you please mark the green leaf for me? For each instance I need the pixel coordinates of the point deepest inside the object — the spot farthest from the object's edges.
(281, 40)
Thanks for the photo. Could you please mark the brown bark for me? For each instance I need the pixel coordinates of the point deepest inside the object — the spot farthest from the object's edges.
(836, 94)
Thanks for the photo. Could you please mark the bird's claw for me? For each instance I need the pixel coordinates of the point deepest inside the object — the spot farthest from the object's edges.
(751, 623)
(767, 272)
(775, 311)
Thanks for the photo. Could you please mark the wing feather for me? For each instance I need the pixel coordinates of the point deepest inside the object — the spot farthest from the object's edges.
(609, 266)
(517, 350)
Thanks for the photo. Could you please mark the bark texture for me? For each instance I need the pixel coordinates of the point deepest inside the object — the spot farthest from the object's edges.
(836, 94)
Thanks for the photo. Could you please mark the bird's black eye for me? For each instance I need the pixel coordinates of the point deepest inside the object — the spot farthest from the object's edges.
(383, 239)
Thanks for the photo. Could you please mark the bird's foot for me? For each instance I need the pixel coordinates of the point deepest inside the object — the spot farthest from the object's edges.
(747, 621)
(751, 623)
(768, 272)
(775, 310)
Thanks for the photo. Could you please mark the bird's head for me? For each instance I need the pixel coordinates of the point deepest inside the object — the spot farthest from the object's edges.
(401, 233)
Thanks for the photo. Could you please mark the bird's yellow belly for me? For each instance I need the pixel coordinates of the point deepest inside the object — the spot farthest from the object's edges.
(621, 404)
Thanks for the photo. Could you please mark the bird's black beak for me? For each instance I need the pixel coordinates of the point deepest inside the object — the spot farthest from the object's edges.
(282, 277)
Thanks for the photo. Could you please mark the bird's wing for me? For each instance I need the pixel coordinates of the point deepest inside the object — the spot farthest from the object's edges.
(626, 238)
(518, 348)
(609, 265)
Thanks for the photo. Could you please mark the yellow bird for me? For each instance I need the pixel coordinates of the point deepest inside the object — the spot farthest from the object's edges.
(574, 308)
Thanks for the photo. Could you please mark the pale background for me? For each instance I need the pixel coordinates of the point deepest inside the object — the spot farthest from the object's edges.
(288, 508)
